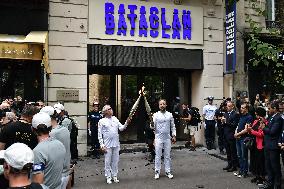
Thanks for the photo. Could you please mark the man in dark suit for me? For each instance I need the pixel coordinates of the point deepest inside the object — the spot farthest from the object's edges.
(271, 149)
(230, 123)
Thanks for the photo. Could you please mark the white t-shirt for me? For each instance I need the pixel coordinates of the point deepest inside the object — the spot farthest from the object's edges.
(209, 111)
(108, 131)
(164, 124)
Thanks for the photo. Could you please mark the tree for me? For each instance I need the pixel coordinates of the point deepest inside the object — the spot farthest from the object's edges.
(265, 53)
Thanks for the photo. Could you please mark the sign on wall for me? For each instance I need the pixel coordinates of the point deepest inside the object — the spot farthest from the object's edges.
(67, 95)
(21, 51)
(230, 31)
(145, 21)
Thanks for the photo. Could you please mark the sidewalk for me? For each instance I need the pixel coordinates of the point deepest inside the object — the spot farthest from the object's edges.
(142, 147)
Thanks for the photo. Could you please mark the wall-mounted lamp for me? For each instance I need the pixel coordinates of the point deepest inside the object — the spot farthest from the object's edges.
(211, 7)
(177, 2)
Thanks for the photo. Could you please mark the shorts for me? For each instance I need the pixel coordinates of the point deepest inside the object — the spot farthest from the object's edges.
(64, 182)
(192, 130)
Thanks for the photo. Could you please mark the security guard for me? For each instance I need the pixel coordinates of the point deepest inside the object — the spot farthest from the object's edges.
(93, 119)
(209, 122)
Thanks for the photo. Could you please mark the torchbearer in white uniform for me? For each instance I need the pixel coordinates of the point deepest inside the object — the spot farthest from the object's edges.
(164, 127)
(109, 141)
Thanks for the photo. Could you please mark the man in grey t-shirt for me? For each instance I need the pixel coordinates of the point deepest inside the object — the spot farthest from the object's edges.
(49, 154)
(62, 134)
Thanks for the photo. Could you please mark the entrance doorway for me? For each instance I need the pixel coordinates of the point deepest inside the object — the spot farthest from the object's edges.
(121, 92)
(116, 74)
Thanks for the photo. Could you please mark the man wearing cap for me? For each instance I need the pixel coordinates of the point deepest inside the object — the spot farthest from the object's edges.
(62, 134)
(18, 162)
(49, 154)
(63, 119)
(109, 141)
(93, 119)
(209, 122)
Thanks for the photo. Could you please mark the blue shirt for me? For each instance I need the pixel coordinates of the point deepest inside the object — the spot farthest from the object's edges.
(247, 118)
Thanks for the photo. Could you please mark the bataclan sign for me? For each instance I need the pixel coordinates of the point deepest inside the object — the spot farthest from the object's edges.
(156, 18)
(145, 21)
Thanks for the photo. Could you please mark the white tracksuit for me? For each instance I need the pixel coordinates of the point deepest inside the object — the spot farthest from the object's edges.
(109, 138)
(164, 124)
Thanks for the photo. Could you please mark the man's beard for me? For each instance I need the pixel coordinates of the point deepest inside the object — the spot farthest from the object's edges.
(163, 109)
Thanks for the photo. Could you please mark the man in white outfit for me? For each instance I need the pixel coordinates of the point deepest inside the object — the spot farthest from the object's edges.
(109, 141)
(164, 126)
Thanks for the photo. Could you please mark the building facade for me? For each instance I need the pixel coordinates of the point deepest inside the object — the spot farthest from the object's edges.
(94, 60)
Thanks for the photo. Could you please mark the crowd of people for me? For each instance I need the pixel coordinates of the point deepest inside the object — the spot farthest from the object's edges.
(43, 134)
(36, 145)
(245, 128)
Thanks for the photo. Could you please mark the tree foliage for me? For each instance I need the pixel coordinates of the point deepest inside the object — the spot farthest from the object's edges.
(264, 53)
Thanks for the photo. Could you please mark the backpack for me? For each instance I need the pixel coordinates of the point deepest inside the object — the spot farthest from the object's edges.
(195, 118)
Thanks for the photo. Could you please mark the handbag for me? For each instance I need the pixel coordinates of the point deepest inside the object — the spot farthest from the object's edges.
(249, 142)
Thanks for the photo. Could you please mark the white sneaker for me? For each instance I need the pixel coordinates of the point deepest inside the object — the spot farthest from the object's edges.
(109, 180)
(115, 180)
(169, 175)
(157, 175)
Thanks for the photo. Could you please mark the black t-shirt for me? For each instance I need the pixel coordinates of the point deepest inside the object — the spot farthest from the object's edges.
(31, 186)
(18, 132)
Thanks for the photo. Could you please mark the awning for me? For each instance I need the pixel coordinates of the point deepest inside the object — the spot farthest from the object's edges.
(144, 57)
(34, 46)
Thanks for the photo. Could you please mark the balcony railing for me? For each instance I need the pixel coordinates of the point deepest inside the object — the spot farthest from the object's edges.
(272, 24)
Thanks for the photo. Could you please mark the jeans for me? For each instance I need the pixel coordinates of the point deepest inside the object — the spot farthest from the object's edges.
(243, 155)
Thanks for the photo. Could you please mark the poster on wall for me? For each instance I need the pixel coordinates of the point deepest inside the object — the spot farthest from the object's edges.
(230, 31)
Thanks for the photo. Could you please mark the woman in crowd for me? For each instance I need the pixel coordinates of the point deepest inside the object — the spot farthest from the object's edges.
(257, 162)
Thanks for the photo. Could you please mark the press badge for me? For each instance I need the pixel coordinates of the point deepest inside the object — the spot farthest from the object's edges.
(38, 167)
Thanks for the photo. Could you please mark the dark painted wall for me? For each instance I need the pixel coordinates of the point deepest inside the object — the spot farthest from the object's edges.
(19, 17)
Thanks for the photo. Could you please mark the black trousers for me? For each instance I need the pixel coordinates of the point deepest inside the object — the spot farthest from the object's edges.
(231, 149)
(221, 137)
(210, 133)
(273, 167)
(95, 142)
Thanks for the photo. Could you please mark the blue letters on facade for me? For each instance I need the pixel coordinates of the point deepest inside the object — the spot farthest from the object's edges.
(109, 18)
(122, 27)
(150, 22)
(132, 17)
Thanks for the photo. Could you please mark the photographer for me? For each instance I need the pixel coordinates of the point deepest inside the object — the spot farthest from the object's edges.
(257, 166)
